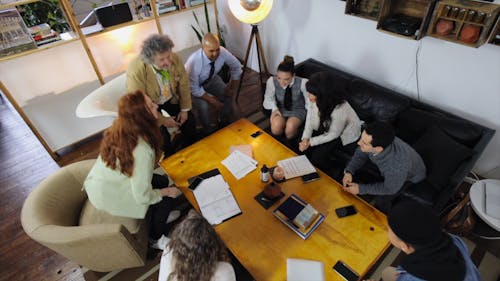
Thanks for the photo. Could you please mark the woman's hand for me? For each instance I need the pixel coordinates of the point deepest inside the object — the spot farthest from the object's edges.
(170, 122)
(275, 113)
(171, 191)
(304, 144)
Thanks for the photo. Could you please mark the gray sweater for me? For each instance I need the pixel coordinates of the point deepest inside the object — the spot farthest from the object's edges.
(398, 163)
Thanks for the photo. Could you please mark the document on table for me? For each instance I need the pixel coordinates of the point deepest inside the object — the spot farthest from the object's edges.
(296, 166)
(216, 201)
(492, 200)
(239, 164)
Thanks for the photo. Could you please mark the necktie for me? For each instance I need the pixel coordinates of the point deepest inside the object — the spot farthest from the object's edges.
(212, 70)
(288, 98)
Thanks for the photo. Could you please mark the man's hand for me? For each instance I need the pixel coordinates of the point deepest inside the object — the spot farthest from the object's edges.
(213, 101)
(347, 179)
(182, 117)
(352, 188)
(170, 122)
(304, 144)
(171, 191)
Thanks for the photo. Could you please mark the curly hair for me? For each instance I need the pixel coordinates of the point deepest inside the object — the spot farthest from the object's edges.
(322, 85)
(134, 121)
(196, 249)
(155, 44)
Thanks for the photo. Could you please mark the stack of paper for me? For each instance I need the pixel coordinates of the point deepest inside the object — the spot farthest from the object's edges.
(492, 195)
(239, 164)
(215, 200)
(296, 166)
(301, 269)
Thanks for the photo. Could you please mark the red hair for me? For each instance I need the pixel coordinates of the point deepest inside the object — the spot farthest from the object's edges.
(134, 121)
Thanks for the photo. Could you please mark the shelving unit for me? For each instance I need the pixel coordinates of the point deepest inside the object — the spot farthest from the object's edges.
(367, 9)
(46, 84)
(406, 15)
(462, 14)
(495, 34)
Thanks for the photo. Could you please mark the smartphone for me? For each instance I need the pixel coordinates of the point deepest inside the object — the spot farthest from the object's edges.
(345, 211)
(347, 273)
(310, 177)
(256, 134)
(195, 183)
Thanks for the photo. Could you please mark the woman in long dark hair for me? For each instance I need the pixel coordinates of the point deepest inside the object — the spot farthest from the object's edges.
(331, 122)
(195, 253)
(286, 97)
(122, 181)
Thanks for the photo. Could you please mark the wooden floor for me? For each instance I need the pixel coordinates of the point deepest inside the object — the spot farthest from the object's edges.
(24, 163)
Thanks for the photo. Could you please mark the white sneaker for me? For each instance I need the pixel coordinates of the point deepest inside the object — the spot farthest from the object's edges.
(174, 215)
(161, 243)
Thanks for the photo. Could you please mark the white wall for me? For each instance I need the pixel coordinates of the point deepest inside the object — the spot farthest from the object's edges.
(459, 79)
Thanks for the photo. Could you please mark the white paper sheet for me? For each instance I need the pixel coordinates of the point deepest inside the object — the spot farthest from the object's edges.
(296, 166)
(492, 202)
(239, 164)
(301, 269)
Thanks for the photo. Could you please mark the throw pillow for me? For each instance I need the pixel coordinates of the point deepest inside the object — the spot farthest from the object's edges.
(441, 154)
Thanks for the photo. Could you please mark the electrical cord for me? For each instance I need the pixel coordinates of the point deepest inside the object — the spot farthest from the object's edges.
(417, 54)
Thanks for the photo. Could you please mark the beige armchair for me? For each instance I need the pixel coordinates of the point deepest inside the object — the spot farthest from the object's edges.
(58, 215)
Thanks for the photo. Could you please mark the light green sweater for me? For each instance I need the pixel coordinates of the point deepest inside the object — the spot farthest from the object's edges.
(121, 195)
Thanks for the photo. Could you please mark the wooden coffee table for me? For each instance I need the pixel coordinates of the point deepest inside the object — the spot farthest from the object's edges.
(259, 240)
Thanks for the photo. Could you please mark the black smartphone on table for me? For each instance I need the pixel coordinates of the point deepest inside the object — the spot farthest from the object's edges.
(345, 211)
(347, 273)
(310, 177)
(195, 183)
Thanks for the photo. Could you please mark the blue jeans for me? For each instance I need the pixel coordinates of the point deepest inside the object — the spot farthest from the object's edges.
(215, 87)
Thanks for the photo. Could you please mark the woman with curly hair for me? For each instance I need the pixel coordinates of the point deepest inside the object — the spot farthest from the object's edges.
(122, 182)
(195, 253)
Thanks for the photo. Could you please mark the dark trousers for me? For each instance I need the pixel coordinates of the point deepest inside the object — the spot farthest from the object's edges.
(188, 129)
(319, 155)
(160, 211)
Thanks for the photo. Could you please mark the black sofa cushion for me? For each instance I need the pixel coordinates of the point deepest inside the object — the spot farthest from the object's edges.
(372, 102)
(413, 122)
(441, 154)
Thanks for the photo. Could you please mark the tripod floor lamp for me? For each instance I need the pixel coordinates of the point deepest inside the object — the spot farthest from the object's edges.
(252, 12)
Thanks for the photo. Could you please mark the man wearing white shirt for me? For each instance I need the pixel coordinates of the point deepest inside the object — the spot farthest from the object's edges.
(207, 88)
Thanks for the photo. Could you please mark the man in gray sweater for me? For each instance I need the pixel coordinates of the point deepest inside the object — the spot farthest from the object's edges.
(397, 162)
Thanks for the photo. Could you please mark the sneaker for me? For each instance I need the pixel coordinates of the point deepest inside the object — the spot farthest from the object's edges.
(161, 243)
(174, 215)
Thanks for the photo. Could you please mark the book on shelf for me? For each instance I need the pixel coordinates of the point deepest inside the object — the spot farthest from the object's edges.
(299, 216)
(214, 197)
(195, 2)
(165, 6)
(296, 166)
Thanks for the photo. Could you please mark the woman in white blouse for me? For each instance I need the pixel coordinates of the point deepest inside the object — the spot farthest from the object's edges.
(195, 253)
(331, 122)
(286, 98)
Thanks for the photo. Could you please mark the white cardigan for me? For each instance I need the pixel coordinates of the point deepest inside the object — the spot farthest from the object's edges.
(345, 124)
(224, 271)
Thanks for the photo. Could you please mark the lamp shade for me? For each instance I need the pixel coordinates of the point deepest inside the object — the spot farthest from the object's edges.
(250, 11)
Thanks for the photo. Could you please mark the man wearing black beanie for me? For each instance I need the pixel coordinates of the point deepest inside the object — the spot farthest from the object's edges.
(432, 254)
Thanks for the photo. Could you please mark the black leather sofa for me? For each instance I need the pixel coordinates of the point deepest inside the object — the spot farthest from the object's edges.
(449, 145)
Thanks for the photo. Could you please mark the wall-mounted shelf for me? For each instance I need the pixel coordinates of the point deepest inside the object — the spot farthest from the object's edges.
(465, 22)
(367, 9)
(405, 18)
(495, 34)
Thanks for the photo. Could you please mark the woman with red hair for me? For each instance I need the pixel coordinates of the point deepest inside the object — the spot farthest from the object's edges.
(122, 182)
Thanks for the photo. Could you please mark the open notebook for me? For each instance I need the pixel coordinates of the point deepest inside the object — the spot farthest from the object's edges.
(215, 199)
